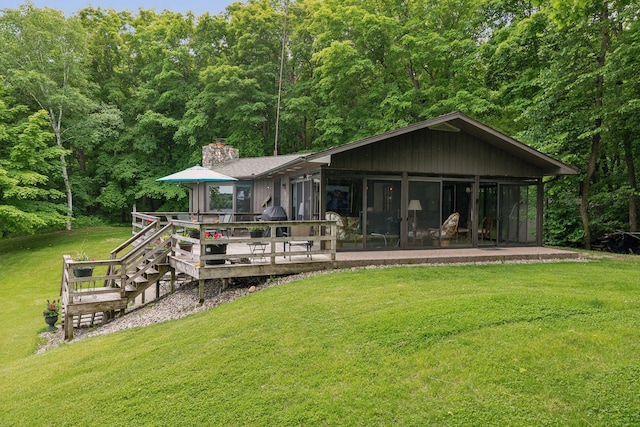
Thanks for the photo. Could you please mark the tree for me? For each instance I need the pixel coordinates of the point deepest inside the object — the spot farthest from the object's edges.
(43, 57)
(27, 202)
(568, 115)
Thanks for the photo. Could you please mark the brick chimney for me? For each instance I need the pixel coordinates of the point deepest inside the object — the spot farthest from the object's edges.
(218, 152)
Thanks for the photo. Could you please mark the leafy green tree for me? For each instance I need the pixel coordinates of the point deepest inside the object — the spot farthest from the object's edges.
(43, 57)
(27, 158)
(568, 115)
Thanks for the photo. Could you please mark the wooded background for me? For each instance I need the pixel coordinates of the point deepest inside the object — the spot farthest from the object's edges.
(96, 106)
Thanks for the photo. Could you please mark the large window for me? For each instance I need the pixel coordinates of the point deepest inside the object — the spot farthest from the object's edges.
(518, 214)
(305, 203)
(243, 197)
(221, 198)
(231, 198)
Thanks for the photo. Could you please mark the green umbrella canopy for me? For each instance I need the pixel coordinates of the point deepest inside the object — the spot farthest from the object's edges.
(196, 174)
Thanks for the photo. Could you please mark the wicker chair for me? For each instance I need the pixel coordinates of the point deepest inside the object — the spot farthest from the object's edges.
(485, 231)
(448, 228)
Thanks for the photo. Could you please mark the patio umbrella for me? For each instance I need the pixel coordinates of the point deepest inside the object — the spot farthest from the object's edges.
(197, 175)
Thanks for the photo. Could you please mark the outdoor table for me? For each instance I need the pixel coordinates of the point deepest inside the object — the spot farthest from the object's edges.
(258, 248)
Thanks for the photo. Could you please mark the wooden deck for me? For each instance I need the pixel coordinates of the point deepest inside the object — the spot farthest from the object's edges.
(347, 259)
(218, 251)
(452, 256)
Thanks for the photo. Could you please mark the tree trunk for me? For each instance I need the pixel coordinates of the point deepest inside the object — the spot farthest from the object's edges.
(65, 176)
(585, 187)
(631, 173)
(595, 140)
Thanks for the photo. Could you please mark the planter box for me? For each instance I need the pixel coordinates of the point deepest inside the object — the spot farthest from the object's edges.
(83, 271)
(215, 250)
(255, 233)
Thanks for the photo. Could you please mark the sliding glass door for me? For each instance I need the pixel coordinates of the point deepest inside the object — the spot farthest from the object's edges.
(518, 223)
(382, 216)
(424, 213)
(487, 214)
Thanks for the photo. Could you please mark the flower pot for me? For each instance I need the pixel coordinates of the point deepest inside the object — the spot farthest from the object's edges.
(255, 233)
(82, 271)
(215, 249)
(51, 321)
(186, 246)
(194, 234)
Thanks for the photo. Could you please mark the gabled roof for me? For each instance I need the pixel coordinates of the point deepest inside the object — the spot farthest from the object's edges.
(258, 167)
(455, 122)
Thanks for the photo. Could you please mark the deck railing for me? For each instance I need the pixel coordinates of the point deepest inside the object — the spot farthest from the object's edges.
(87, 279)
(285, 241)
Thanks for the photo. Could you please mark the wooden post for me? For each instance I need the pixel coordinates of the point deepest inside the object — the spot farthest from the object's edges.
(173, 280)
(68, 326)
(201, 291)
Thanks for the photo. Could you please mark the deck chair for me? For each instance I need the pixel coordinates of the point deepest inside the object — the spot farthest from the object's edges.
(182, 217)
(226, 218)
(302, 232)
(448, 228)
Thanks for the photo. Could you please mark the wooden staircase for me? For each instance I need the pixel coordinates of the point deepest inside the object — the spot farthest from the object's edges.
(134, 266)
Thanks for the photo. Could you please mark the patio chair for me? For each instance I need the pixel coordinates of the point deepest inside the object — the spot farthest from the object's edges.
(302, 232)
(226, 218)
(448, 228)
(487, 226)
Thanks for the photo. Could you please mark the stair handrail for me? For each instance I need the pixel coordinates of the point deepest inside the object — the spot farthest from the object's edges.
(135, 260)
(129, 242)
(134, 237)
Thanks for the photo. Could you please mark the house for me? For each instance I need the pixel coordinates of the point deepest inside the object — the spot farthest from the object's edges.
(448, 181)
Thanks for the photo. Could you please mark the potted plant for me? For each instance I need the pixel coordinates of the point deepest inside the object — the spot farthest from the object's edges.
(219, 247)
(51, 314)
(256, 231)
(82, 271)
(194, 233)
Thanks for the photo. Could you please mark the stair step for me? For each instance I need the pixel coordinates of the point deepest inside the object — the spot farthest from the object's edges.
(85, 320)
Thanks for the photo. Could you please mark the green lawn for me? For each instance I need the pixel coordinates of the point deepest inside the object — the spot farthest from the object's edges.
(30, 273)
(509, 344)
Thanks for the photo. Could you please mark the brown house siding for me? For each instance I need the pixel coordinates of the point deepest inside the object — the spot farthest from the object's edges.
(435, 152)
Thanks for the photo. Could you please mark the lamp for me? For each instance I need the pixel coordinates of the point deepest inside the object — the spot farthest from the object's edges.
(415, 206)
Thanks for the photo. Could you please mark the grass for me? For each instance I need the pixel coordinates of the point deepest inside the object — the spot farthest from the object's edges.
(511, 344)
(30, 274)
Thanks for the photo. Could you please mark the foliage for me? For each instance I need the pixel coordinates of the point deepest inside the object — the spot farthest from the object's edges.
(81, 256)
(28, 201)
(43, 60)
(139, 94)
(562, 221)
(53, 308)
